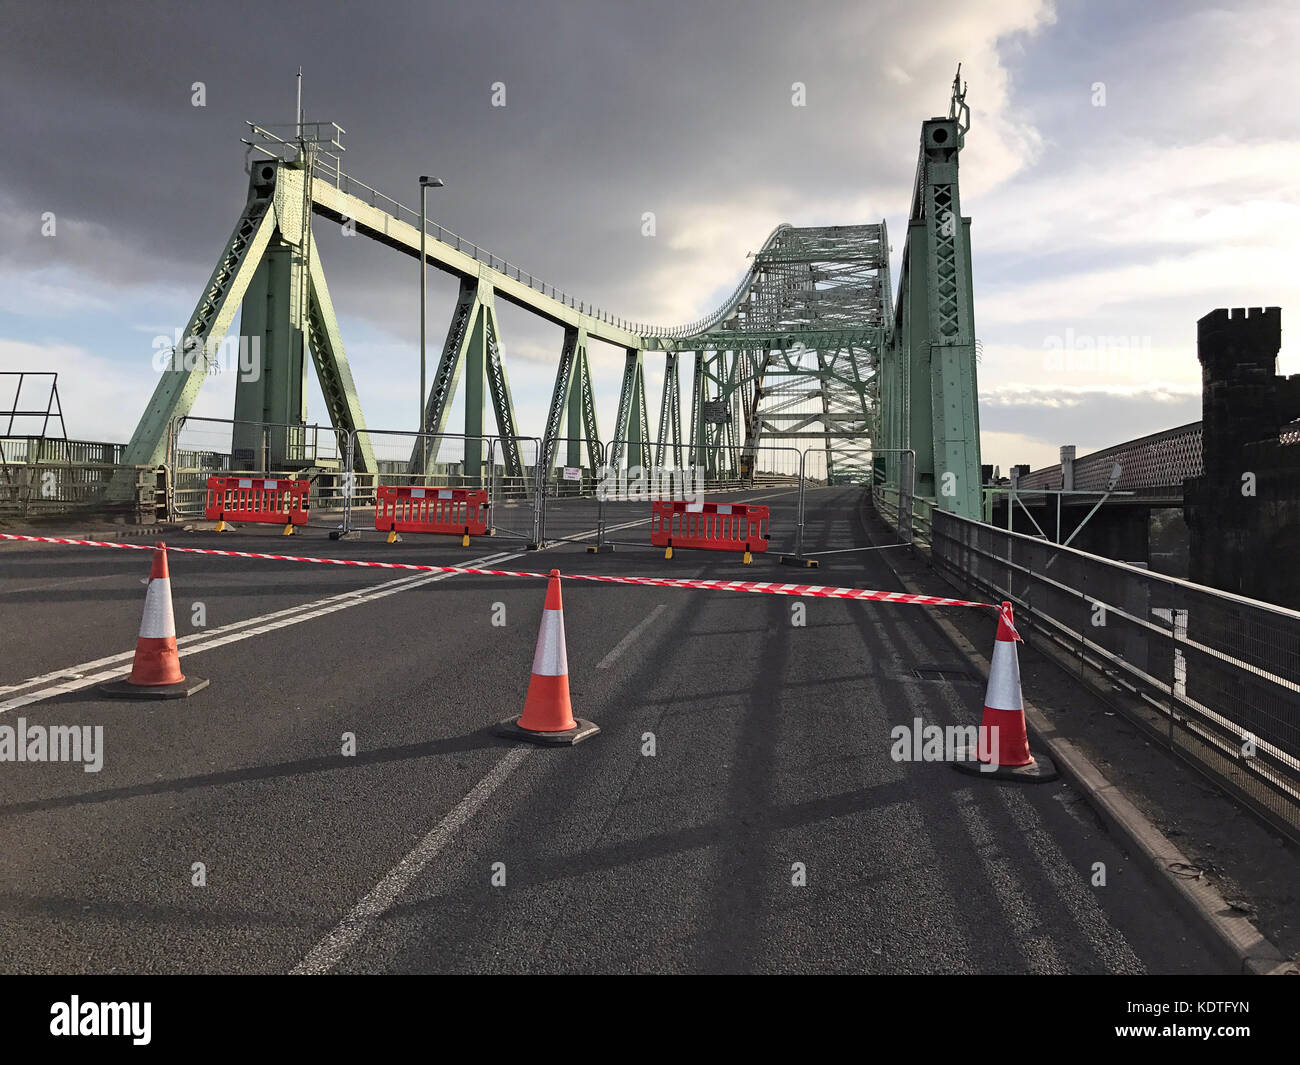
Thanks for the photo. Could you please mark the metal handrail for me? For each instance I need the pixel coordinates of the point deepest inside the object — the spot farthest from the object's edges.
(322, 168)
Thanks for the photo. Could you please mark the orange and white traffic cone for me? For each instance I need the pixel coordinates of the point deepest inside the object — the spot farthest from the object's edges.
(156, 671)
(1002, 750)
(548, 714)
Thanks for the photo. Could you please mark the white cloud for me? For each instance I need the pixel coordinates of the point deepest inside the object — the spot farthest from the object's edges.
(97, 395)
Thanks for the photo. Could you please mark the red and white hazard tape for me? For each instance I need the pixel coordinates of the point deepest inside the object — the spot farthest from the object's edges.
(764, 587)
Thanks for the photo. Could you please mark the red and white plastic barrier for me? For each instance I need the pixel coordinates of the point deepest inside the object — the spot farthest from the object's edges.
(258, 500)
(713, 526)
(449, 511)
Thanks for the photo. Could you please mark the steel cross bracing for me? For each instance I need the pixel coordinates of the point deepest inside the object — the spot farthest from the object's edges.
(809, 346)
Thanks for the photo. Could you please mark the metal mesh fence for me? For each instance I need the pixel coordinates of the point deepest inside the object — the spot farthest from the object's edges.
(1219, 673)
(571, 510)
(203, 447)
(506, 469)
(769, 474)
(516, 495)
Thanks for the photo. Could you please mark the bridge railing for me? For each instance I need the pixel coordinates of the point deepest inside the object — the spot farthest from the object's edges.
(326, 168)
(911, 516)
(41, 476)
(1218, 675)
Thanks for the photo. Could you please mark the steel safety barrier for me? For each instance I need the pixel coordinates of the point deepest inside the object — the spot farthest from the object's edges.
(1218, 674)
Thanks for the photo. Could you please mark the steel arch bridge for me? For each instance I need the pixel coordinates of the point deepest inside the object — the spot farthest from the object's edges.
(810, 347)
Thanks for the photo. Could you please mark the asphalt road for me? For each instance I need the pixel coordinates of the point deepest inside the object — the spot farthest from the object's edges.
(438, 847)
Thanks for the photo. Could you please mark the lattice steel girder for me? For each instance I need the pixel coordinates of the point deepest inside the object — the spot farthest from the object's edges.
(332, 369)
(380, 225)
(446, 377)
(573, 340)
(271, 269)
(573, 390)
(699, 396)
(724, 339)
(927, 387)
(670, 414)
(473, 345)
(268, 402)
(582, 404)
(632, 426)
(174, 395)
(499, 389)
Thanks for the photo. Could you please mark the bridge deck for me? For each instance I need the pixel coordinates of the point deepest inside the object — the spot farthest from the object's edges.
(772, 748)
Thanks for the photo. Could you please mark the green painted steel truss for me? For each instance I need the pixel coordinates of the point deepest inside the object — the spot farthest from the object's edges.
(809, 351)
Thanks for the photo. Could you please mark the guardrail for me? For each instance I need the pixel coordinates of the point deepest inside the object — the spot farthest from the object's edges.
(1218, 673)
(888, 502)
(326, 168)
(42, 476)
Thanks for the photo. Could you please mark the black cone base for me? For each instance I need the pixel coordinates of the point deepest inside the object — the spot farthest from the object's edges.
(1039, 771)
(122, 689)
(510, 730)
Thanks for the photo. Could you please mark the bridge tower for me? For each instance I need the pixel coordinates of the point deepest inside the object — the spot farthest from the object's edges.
(270, 270)
(927, 396)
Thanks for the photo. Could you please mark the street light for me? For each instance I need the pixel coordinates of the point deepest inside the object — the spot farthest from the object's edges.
(426, 183)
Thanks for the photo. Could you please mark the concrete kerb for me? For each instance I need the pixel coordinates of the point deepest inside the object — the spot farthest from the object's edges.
(1235, 937)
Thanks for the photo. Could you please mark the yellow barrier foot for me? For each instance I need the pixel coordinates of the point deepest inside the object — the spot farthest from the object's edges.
(221, 525)
(393, 538)
(747, 559)
(288, 530)
(668, 552)
(464, 540)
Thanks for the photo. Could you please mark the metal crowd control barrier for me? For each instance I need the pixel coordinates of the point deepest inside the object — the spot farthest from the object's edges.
(771, 474)
(447, 511)
(407, 459)
(199, 448)
(516, 499)
(711, 526)
(573, 510)
(258, 500)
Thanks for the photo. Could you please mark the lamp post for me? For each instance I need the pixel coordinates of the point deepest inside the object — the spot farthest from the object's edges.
(426, 183)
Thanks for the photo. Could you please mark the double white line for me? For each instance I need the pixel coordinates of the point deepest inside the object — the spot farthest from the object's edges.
(74, 678)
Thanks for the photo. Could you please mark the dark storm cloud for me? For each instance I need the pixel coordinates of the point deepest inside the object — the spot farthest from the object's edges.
(610, 112)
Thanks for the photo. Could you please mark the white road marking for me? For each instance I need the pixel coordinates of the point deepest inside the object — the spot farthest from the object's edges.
(331, 950)
(234, 625)
(233, 633)
(47, 585)
(628, 640)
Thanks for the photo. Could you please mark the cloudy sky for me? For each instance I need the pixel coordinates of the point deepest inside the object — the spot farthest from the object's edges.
(1129, 168)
